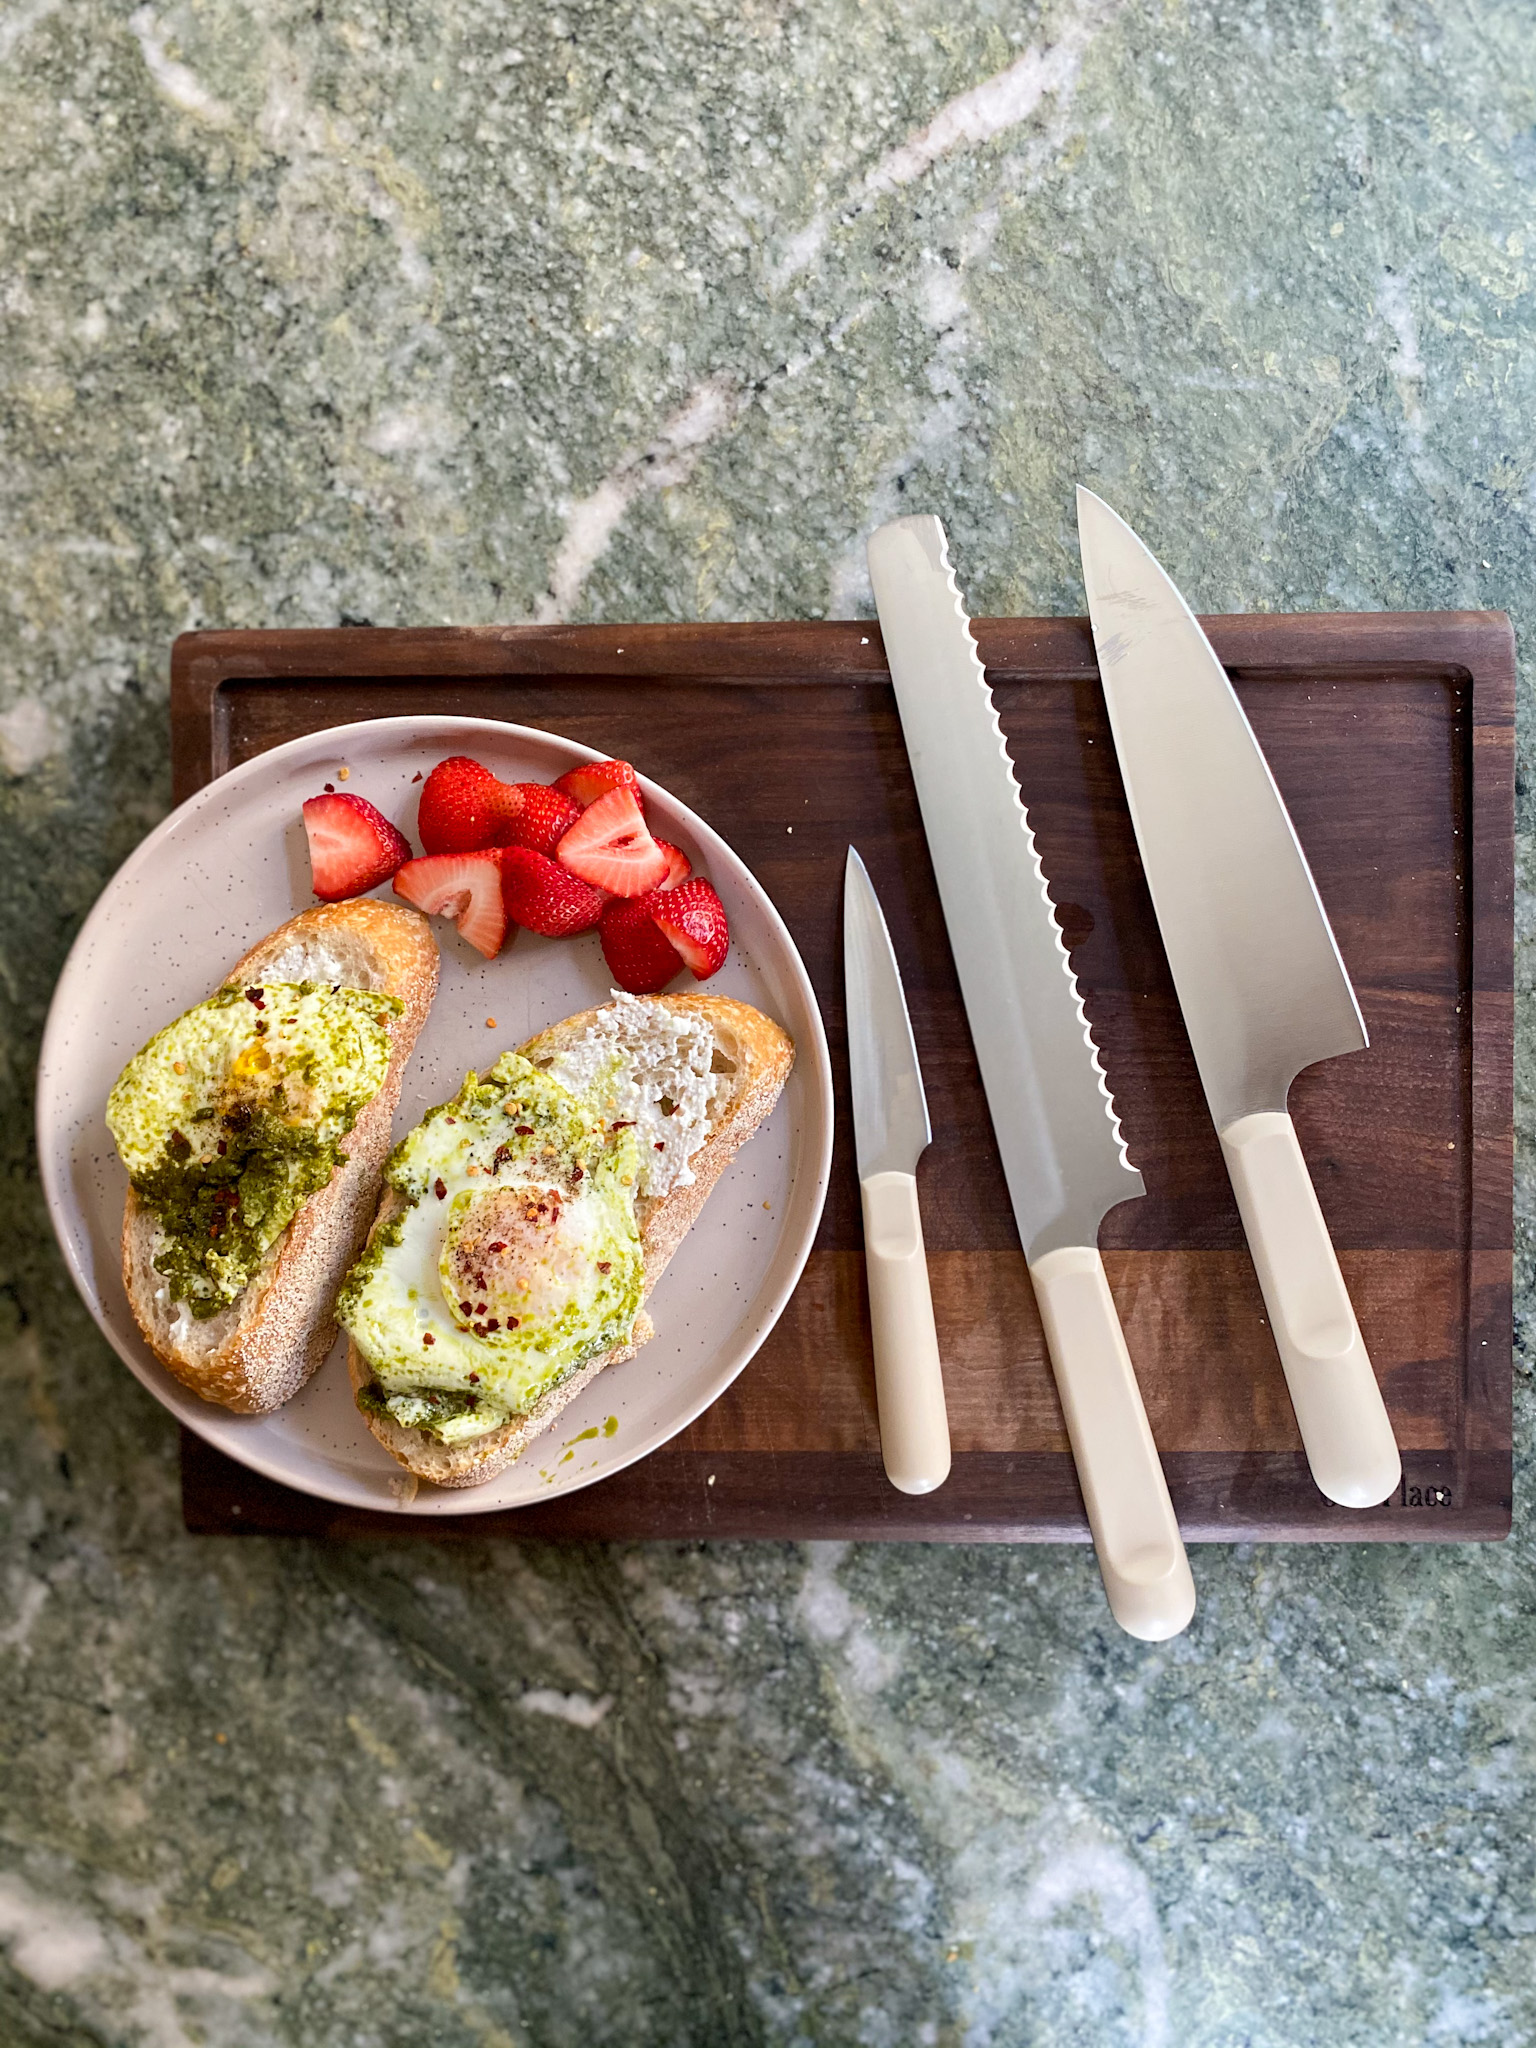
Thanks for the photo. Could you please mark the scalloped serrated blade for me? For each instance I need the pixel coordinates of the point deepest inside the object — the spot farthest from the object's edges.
(1051, 1107)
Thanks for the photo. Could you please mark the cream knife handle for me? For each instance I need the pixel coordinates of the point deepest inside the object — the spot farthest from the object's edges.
(909, 1384)
(1339, 1409)
(1141, 1553)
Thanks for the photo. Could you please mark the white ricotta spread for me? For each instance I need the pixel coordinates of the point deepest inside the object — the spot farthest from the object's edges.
(646, 1064)
(313, 960)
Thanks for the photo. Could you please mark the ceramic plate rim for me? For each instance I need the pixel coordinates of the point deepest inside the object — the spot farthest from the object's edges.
(204, 1418)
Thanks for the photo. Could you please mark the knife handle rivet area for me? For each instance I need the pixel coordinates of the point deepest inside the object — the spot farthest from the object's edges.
(909, 1380)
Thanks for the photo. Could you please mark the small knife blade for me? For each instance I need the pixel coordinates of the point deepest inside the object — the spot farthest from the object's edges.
(1057, 1132)
(1259, 976)
(891, 1132)
(890, 1111)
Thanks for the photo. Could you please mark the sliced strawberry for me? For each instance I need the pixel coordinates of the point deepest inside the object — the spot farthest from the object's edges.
(595, 778)
(610, 846)
(693, 918)
(463, 886)
(464, 807)
(352, 846)
(543, 896)
(541, 818)
(639, 957)
(678, 869)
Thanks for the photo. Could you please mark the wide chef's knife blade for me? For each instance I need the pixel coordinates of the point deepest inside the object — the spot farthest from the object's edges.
(891, 1132)
(1051, 1109)
(1260, 981)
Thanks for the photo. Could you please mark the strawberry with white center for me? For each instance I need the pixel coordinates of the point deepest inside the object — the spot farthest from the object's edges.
(464, 807)
(541, 819)
(584, 785)
(692, 917)
(544, 897)
(463, 886)
(611, 847)
(352, 846)
(640, 958)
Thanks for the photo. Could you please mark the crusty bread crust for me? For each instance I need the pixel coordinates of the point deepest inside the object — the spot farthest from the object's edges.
(259, 1351)
(762, 1055)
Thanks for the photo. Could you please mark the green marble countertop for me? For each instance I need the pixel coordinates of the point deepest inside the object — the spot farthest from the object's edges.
(486, 310)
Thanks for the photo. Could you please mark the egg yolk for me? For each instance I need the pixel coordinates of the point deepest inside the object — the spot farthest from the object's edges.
(513, 1252)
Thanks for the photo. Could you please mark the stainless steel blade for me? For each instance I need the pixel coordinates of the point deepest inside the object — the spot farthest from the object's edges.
(1051, 1107)
(890, 1111)
(1259, 977)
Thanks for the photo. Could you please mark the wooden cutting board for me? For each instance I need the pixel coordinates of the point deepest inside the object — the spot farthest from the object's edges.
(1392, 739)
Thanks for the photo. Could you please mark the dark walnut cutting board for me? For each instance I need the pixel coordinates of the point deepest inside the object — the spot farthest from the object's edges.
(1392, 739)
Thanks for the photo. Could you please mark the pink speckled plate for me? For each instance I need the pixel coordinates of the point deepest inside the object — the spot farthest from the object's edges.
(229, 866)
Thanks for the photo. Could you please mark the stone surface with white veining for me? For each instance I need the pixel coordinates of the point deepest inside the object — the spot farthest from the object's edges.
(398, 312)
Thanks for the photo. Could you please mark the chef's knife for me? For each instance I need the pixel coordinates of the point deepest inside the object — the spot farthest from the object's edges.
(891, 1132)
(1051, 1108)
(1258, 973)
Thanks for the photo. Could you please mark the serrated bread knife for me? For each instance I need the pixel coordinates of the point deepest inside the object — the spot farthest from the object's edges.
(891, 1132)
(1051, 1108)
(1258, 973)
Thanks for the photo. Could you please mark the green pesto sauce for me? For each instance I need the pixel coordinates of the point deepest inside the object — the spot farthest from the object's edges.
(223, 1215)
(233, 1116)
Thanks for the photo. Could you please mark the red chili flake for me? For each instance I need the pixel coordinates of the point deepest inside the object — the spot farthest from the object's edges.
(478, 1328)
(493, 1324)
(498, 1246)
(223, 1148)
(503, 1154)
(428, 1338)
(439, 1190)
(525, 1130)
(465, 1308)
(330, 789)
(512, 1322)
(660, 1145)
(450, 1119)
(479, 1308)
(474, 1379)
(417, 776)
(254, 995)
(605, 1265)
(622, 1127)
(578, 1173)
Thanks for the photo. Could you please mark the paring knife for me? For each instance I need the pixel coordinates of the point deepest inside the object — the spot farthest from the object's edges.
(891, 1132)
(1051, 1107)
(1258, 973)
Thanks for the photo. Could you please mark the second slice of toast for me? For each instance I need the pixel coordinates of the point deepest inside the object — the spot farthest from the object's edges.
(756, 1055)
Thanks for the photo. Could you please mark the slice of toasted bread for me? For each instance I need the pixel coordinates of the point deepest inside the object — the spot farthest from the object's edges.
(258, 1352)
(758, 1056)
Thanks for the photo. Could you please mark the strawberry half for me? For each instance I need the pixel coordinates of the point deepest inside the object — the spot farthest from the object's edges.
(640, 958)
(611, 847)
(463, 886)
(464, 807)
(693, 918)
(678, 868)
(595, 778)
(541, 895)
(541, 818)
(352, 846)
